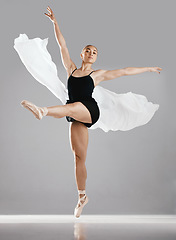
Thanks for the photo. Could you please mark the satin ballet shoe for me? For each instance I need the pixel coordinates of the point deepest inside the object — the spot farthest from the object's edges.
(80, 205)
(38, 112)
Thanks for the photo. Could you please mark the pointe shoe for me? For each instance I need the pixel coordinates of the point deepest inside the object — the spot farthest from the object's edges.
(37, 111)
(80, 205)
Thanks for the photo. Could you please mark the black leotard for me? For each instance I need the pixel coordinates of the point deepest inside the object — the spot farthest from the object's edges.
(80, 89)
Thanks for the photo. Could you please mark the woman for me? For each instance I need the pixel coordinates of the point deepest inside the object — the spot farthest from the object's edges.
(81, 109)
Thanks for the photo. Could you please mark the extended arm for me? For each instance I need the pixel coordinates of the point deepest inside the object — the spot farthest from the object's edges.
(67, 62)
(104, 75)
(59, 37)
(137, 70)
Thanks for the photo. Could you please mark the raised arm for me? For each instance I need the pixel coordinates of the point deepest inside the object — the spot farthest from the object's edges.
(66, 60)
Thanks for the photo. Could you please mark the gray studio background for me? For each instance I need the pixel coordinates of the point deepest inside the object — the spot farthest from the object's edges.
(130, 172)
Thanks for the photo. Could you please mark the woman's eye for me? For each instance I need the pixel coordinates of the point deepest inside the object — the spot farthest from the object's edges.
(88, 51)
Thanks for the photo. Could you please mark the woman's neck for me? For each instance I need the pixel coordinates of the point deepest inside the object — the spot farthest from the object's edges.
(85, 67)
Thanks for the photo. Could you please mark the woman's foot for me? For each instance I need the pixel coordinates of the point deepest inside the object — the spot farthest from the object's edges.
(37, 111)
(81, 203)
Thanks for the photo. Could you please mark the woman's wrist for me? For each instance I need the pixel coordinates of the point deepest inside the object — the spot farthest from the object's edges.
(54, 21)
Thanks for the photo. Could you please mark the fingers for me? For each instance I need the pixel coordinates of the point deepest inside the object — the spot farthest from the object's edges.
(160, 69)
(157, 68)
(47, 14)
(49, 9)
(50, 12)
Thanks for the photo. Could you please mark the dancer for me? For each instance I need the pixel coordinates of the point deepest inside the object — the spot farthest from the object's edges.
(88, 105)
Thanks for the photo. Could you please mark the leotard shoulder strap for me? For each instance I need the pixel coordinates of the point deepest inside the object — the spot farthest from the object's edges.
(90, 73)
(74, 70)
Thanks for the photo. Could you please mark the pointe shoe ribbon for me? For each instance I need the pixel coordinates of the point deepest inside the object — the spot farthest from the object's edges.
(37, 111)
(80, 205)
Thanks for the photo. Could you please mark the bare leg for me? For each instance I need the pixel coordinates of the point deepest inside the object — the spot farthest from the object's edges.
(76, 110)
(79, 144)
(58, 111)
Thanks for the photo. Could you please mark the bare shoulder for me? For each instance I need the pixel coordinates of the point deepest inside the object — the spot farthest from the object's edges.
(98, 76)
(104, 75)
(70, 69)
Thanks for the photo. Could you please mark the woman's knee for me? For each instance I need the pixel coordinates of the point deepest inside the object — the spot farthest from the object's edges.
(79, 158)
(72, 108)
(78, 111)
(79, 140)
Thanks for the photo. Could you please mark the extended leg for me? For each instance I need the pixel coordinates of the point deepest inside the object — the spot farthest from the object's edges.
(75, 110)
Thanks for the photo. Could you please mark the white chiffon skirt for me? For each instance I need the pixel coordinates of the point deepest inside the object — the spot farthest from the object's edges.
(117, 111)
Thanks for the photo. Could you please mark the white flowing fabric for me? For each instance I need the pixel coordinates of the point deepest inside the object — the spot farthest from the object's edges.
(117, 111)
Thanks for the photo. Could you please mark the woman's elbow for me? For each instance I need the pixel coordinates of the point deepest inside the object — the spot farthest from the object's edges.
(124, 71)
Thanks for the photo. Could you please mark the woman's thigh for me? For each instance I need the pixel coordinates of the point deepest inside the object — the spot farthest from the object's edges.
(79, 112)
(79, 139)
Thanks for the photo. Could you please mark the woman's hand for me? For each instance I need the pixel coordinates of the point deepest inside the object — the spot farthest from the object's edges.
(155, 69)
(51, 15)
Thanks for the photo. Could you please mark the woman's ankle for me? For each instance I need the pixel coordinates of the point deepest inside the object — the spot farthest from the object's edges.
(44, 111)
(81, 195)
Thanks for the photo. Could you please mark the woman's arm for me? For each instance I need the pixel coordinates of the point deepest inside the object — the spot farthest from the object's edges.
(137, 70)
(59, 37)
(67, 62)
(104, 75)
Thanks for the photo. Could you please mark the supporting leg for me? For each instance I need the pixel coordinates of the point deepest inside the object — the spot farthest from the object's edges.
(80, 173)
(79, 144)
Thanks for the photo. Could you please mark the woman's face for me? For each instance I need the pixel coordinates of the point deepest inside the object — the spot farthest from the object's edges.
(89, 54)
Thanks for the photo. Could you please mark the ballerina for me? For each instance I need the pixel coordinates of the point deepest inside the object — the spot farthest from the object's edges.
(88, 104)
